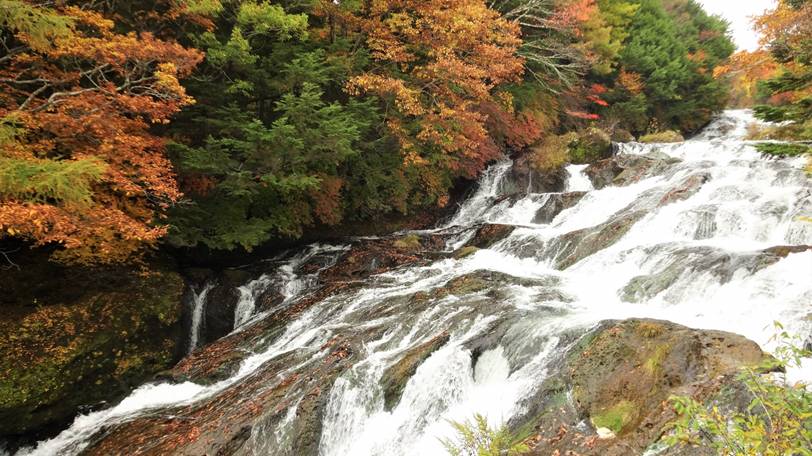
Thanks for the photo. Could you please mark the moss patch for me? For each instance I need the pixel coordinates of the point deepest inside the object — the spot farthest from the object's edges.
(616, 417)
(465, 251)
(653, 363)
(409, 243)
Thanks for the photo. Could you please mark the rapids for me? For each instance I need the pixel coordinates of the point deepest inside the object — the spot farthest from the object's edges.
(692, 261)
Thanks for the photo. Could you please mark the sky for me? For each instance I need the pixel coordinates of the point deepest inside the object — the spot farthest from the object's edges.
(739, 12)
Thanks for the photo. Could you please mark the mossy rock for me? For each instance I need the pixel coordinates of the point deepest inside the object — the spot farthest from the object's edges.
(408, 243)
(615, 417)
(620, 376)
(466, 251)
(592, 144)
(621, 135)
(120, 328)
(668, 136)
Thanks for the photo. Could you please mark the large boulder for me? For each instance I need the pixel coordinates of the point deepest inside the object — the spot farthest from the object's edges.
(592, 144)
(86, 338)
(617, 379)
(625, 169)
(489, 234)
(524, 178)
(555, 204)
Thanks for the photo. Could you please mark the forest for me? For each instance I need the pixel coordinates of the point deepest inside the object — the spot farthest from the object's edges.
(230, 124)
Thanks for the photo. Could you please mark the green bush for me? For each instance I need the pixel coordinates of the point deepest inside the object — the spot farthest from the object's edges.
(783, 149)
(476, 438)
(667, 136)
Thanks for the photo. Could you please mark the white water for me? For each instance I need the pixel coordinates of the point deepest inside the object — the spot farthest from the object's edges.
(249, 293)
(746, 205)
(578, 181)
(198, 309)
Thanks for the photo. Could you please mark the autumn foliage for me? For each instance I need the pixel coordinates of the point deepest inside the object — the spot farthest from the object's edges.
(232, 124)
(79, 167)
(440, 61)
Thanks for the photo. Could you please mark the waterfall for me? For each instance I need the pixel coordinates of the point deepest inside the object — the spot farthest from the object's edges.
(693, 232)
(198, 309)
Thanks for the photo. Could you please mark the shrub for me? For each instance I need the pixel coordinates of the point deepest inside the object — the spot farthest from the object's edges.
(783, 149)
(552, 152)
(476, 438)
(667, 136)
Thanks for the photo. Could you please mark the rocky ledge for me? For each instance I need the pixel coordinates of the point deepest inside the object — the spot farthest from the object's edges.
(609, 394)
(80, 340)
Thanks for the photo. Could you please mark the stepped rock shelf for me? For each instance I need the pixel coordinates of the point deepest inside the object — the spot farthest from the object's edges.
(651, 273)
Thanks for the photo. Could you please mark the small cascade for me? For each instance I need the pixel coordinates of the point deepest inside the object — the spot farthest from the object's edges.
(578, 181)
(249, 293)
(198, 310)
(490, 188)
(707, 235)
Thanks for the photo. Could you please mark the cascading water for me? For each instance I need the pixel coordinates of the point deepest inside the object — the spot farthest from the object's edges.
(578, 181)
(690, 250)
(198, 308)
(248, 299)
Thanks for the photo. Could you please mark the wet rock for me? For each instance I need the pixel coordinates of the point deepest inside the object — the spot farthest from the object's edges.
(396, 376)
(685, 189)
(627, 169)
(221, 303)
(224, 423)
(603, 172)
(555, 204)
(114, 329)
(619, 376)
(577, 245)
(270, 299)
(465, 251)
(489, 234)
(690, 261)
(373, 256)
(523, 178)
(221, 358)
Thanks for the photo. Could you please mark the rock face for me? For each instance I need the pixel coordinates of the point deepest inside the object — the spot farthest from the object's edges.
(524, 179)
(556, 203)
(262, 399)
(618, 377)
(627, 169)
(577, 245)
(489, 234)
(90, 338)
